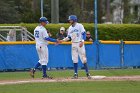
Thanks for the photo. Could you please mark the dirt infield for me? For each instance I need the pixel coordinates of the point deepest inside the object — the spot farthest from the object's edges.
(94, 78)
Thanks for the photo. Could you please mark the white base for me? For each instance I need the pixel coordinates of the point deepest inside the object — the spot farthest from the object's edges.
(98, 77)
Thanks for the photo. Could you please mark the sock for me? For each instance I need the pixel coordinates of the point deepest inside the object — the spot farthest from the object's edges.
(44, 68)
(75, 68)
(37, 65)
(86, 68)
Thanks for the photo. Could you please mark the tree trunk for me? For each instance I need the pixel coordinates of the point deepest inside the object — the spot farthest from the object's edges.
(126, 11)
(100, 11)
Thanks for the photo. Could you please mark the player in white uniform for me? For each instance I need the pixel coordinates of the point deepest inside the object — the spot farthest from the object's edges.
(77, 35)
(42, 38)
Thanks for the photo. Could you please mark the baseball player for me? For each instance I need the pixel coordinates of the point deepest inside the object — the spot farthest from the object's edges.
(41, 38)
(77, 35)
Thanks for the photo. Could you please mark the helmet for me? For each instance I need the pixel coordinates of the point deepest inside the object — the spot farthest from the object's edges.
(73, 17)
(44, 19)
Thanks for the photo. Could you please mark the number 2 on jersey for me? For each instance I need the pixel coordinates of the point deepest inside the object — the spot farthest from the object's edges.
(77, 34)
(37, 34)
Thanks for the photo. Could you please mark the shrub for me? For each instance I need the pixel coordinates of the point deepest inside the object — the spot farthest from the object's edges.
(105, 31)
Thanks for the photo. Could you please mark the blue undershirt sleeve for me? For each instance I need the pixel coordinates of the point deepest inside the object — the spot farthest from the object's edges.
(84, 35)
(50, 39)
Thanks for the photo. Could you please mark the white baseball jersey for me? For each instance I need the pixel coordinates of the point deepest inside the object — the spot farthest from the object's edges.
(76, 36)
(40, 33)
(75, 32)
(41, 44)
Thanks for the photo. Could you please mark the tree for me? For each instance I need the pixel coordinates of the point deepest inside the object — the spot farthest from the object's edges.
(8, 13)
(65, 9)
(100, 11)
(126, 10)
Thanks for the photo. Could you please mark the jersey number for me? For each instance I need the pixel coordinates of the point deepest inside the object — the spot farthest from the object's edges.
(37, 34)
(77, 34)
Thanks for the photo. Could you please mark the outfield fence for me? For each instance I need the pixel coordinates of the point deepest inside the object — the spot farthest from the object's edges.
(112, 54)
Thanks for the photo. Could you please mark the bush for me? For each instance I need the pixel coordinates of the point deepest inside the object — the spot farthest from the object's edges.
(105, 31)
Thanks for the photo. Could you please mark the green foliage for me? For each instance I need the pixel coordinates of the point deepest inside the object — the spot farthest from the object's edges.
(8, 14)
(105, 31)
(53, 28)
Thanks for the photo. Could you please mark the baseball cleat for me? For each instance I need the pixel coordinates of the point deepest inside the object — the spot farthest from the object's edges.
(32, 72)
(75, 76)
(47, 77)
(88, 76)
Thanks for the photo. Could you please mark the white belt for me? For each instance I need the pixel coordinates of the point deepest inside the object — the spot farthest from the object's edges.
(77, 42)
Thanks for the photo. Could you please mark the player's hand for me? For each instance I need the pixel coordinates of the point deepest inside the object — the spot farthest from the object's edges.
(58, 42)
(61, 41)
(81, 44)
(90, 39)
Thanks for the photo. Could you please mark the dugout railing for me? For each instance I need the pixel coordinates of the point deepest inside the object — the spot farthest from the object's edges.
(16, 33)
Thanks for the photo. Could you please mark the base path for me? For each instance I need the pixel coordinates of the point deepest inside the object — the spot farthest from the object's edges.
(82, 79)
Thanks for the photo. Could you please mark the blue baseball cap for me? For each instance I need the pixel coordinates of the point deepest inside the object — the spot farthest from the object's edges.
(73, 17)
(44, 19)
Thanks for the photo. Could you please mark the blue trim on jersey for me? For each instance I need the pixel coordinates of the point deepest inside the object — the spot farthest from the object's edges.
(69, 37)
(50, 39)
(84, 35)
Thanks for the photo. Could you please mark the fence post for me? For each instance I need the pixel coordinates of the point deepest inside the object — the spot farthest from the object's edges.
(96, 33)
(97, 55)
(122, 53)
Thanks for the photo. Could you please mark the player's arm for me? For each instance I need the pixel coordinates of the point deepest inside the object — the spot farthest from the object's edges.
(66, 39)
(46, 37)
(83, 32)
(83, 39)
(51, 39)
(84, 35)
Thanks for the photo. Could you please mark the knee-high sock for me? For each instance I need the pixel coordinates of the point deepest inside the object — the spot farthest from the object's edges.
(37, 65)
(44, 68)
(75, 68)
(86, 67)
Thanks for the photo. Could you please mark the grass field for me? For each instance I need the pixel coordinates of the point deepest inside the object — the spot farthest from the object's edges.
(72, 87)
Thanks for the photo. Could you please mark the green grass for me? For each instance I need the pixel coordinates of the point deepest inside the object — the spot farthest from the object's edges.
(68, 73)
(74, 87)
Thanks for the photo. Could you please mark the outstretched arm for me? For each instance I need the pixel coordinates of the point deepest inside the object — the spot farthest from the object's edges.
(67, 38)
(51, 39)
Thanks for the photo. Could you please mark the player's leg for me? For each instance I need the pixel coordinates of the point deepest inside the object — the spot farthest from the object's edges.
(37, 65)
(44, 62)
(32, 71)
(87, 72)
(75, 60)
(44, 68)
(39, 52)
(82, 55)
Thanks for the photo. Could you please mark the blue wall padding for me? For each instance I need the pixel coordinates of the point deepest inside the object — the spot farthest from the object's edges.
(25, 56)
(109, 55)
(132, 55)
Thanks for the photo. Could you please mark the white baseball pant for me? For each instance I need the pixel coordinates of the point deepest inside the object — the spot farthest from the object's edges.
(76, 50)
(42, 51)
